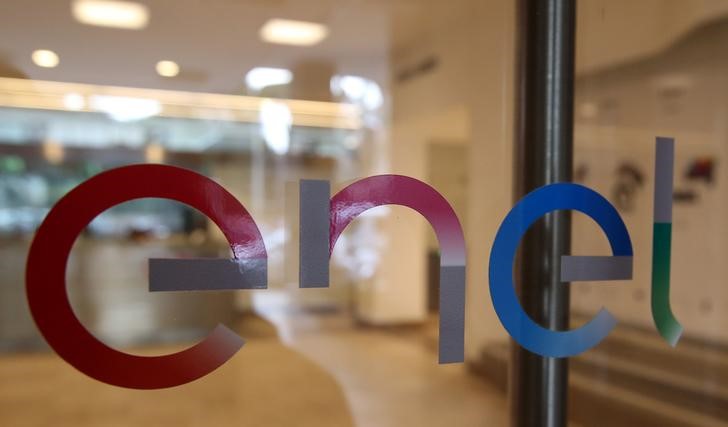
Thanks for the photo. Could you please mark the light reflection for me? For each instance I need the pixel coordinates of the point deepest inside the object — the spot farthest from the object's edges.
(74, 101)
(53, 152)
(124, 108)
(358, 90)
(259, 78)
(275, 125)
(154, 153)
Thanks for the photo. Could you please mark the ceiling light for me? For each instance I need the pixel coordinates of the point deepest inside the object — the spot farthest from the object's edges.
(49, 95)
(111, 13)
(275, 125)
(45, 58)
(261, 77)
(352, 87)
(124, 108)
(357, 89)
(167, 68)
(74, 101)
(296, 33)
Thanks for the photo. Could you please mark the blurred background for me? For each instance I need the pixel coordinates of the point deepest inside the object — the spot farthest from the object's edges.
(258, 94)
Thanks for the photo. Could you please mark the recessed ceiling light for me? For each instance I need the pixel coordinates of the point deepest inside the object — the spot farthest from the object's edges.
(167, 68)
(296, 33)
(45, 58)
(111, 13)
(74, 101)
(261, 77)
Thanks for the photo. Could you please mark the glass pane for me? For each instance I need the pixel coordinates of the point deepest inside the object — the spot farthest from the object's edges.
(648, 69)
(255, 95)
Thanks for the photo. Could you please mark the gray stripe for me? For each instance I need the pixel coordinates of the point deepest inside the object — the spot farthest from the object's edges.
(664, 165)
(167, 275)
(452, 314)
(595, 268)
(314, 234)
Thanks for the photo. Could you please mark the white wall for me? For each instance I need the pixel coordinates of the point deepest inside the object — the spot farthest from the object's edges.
(470, 97)
(467, 98)
(682, 93)
(616, 32)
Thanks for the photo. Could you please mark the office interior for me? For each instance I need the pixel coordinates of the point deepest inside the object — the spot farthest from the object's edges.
(258, 95)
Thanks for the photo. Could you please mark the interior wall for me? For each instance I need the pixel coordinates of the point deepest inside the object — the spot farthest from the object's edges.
(616, 32)
(468, 98)
(680, 93)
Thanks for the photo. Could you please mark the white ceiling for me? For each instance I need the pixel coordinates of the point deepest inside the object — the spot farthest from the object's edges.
(214, 41)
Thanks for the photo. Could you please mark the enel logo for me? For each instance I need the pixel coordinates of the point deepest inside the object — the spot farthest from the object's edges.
(323, 219)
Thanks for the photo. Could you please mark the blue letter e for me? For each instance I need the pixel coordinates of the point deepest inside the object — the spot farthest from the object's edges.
(534, 205)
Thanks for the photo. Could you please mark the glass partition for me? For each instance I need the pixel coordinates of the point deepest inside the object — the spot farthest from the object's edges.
(645, 70)
(267, 99)
(256, 96)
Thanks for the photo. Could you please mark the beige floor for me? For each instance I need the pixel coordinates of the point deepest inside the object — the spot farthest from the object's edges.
(325, 373)
(391, 377)
(307, 370)
(266, 384)
(391, 382)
